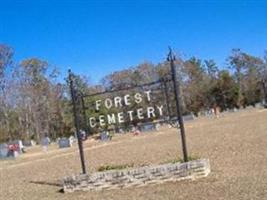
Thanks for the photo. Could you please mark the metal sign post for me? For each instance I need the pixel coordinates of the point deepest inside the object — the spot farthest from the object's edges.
(171, 58)
(74, 98)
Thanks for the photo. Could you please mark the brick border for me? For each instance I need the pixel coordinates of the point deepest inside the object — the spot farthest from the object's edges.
(137, 177)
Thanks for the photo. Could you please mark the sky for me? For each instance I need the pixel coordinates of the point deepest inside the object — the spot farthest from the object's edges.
(95, 38)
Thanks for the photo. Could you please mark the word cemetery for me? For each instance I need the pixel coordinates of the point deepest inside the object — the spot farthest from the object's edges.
(140, 113)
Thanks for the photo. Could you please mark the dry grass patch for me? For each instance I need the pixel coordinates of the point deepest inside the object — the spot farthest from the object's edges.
(234, 143)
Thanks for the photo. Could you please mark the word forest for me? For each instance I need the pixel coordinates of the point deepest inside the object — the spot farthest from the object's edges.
(119, 103)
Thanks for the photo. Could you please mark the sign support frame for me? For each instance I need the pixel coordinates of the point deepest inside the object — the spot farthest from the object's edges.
(74, 99)
(171, 58)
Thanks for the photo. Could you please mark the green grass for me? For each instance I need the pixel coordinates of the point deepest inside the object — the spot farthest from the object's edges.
(180, 160)
(114, 167)
(125, 166)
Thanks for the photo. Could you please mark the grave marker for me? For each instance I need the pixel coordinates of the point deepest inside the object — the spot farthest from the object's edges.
(64, 143)
(3, 150)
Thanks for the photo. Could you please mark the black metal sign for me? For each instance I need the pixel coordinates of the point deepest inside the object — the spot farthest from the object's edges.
(128, 106)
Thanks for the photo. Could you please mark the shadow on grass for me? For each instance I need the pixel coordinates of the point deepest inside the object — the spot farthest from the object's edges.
(50, 184)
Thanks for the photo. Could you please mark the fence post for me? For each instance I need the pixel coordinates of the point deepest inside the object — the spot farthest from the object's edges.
(76, 120)
(171, 58)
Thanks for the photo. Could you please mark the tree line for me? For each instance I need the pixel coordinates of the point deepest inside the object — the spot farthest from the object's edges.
(34, 104)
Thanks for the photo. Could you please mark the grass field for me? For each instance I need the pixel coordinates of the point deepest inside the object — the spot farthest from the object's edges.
(235, 143)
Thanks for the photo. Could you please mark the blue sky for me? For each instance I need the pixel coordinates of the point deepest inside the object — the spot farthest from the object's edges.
(95, 38)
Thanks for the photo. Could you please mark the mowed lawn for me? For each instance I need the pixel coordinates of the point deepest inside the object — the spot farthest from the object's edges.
(235, 143)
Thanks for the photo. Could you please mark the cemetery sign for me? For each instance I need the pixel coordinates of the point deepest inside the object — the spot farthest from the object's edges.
(130, 115)
(126, 108)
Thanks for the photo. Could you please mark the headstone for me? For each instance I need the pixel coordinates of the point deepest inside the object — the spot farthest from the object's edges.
(208, 113)
(21, 146)
(13, 149)
(119, 130)
(29, 143)
(45, 142)
(104, 136)
(188, 117)
(249, 107)
(72, 140)
(173, 123)
(64, 143)
(16, 145)
(147, 127)
(135, 131)
(258, 105)
(157, 126)
(3, 150)
(15, 154)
